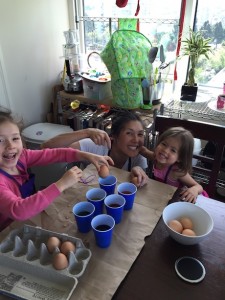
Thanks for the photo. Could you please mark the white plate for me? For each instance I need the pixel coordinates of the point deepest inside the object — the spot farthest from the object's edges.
(190, 269)
(91, 76)
(213, 105)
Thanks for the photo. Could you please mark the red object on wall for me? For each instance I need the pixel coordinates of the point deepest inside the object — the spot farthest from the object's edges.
(138, 8)
(182, 14)
(121, 3)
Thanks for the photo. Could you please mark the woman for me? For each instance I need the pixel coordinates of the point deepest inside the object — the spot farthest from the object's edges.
(127, 137)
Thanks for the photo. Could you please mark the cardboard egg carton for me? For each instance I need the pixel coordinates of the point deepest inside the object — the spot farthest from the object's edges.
(26, 265)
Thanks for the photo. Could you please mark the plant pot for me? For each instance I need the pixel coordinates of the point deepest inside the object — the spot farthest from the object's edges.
(189, 93)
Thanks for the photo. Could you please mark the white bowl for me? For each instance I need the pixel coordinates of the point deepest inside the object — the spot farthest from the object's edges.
(202, 221)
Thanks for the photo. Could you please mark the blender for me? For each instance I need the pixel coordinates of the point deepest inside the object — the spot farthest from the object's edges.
(71, 80)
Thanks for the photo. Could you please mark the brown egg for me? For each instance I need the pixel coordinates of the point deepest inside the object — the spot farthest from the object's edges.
(104, 171)
(188, 232)
(66, 247)
(175, 225)
(186, 223)
(60, 261)
(134, 180)
(52, 243)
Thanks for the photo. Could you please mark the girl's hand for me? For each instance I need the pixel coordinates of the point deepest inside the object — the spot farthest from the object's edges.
(68, 179)
(146, 153)
(96, 160)
(189, 194)
(142, 177)
(99, 137)
(143, 151)
(192, 188)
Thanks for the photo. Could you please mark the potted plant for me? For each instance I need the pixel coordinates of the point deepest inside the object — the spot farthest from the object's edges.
(194, 46)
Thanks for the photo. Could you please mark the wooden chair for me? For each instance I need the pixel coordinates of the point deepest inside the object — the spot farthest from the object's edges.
(206, 176)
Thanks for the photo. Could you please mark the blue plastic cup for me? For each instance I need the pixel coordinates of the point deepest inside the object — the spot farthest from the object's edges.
(84, 213)
(102, 226)
(108, 184)
(128, 191)
(96, 196)
(114, 206)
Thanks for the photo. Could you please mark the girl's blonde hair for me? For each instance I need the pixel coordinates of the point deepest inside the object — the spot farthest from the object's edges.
(187, 145)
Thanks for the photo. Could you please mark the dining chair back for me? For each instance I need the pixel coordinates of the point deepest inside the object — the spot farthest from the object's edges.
(207, 170)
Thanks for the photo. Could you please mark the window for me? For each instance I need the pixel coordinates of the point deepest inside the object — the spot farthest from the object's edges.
(101, 20)
(159, 22)
(210, 18)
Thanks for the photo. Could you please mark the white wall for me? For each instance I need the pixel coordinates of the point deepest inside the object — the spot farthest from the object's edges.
(31, 39)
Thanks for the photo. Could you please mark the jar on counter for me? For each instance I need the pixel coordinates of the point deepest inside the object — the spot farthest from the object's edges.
(221, 102)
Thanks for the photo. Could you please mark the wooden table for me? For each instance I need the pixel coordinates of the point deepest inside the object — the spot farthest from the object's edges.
(153, 275)
(107, 267)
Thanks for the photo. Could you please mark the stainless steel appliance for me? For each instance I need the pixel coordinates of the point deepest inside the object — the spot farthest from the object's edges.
(71, 80)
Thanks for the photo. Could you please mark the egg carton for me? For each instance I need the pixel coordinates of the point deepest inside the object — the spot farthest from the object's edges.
(26, 265)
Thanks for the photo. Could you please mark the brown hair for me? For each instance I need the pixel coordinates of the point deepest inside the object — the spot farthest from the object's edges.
(6, 116)
(120, 120)
(186, 149)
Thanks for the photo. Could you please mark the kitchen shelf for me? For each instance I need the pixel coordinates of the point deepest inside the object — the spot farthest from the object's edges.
(141, 20)
(62, 108)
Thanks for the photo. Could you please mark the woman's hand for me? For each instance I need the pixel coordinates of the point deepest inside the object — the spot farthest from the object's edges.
(99, 137)
(142, 177)
(68, 139)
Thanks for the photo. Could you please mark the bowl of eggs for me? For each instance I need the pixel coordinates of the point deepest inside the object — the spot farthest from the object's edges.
(187, 223)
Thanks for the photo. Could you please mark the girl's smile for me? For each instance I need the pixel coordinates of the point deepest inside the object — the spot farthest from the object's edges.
(10, 147)
(9, 156)
(167, 152)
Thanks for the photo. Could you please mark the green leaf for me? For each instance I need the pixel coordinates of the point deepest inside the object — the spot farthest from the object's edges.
(195, 46)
